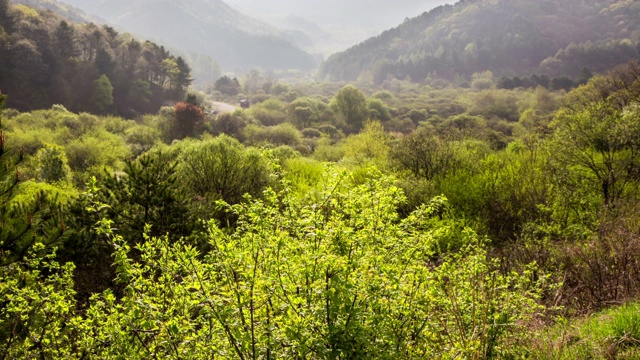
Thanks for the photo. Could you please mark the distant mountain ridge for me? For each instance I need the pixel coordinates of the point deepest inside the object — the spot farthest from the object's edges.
(507, 37)
(334, 25)
(210, 27)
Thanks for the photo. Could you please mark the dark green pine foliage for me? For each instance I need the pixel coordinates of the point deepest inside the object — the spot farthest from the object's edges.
(148, 193)
(23, 224)
(6, 21)
(90, 252)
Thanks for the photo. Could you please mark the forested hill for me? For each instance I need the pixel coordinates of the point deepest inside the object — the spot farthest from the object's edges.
(66, 11)
(209, 27)
(507, 37)
(46, 60)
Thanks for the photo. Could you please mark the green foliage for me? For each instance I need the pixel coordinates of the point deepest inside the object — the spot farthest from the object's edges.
(423, 154)
(229, 124)
(228, 86)
(482, 80)
(283, 134)
(101, 98)
(461, 43)
(304, 175)
(326, 150)
(378, 110)
(28, 219)
(269, 113)
(31, 131)
(311, 133)
(370, 147)
(95, 150)
(221, 168)
(85, 67)
(516, 186)
(351, 104)
(625, 328)
(387, 259)
(496, 104)
(465, 126)
(331, 131)
(341, 276)
(142, 138)
(305, 111)
(52, 164)
(147, 195)
(37, 317)
(610, 334)
(599, 134)
(303, 115)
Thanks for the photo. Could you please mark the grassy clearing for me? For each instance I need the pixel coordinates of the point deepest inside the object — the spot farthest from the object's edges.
(610, 334)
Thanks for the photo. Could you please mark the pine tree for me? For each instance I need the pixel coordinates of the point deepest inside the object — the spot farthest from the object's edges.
(6, 20)
(148, 194)
(24, 223)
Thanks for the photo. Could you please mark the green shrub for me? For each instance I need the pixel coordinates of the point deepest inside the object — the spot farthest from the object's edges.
(339, 276)
(283, 134)
(326, 151)
(311, 133)
(52, 164)
(96, 149)
(223, 168)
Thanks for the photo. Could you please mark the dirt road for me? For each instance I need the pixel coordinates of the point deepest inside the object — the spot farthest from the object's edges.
(223, 107)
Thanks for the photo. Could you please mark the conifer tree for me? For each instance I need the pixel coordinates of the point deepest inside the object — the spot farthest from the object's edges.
(148, 194)
(22, 223)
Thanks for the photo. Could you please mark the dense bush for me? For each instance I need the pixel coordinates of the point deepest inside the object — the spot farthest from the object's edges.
(222, 168)
(340, 277)
(283, 134)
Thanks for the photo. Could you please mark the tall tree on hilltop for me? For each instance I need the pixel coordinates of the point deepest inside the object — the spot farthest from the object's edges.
(65, 41)
(184, 78)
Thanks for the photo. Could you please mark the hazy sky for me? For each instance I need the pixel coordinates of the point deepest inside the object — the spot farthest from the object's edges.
(376, 15)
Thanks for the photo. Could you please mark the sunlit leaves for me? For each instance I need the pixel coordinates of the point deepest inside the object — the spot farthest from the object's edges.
(340, 275)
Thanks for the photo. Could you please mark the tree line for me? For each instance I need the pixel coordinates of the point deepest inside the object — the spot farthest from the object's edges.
(84, 67)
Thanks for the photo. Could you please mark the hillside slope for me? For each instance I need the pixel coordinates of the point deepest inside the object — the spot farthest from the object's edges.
(507, 37)
(65, 11)
(46, 60)
(209, 27)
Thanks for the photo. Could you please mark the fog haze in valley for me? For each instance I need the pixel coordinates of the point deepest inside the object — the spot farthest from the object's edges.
(318, 27)
(343, 22)
(374, 14)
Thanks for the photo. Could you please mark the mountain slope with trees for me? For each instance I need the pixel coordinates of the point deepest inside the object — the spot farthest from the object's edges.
(68, 12)
(209, 27)
(508, 38)
(47, 60)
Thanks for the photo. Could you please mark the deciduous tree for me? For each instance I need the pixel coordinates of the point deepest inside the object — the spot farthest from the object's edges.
(351, 104)
(101, 98)
(188, 120)
(598, 132)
